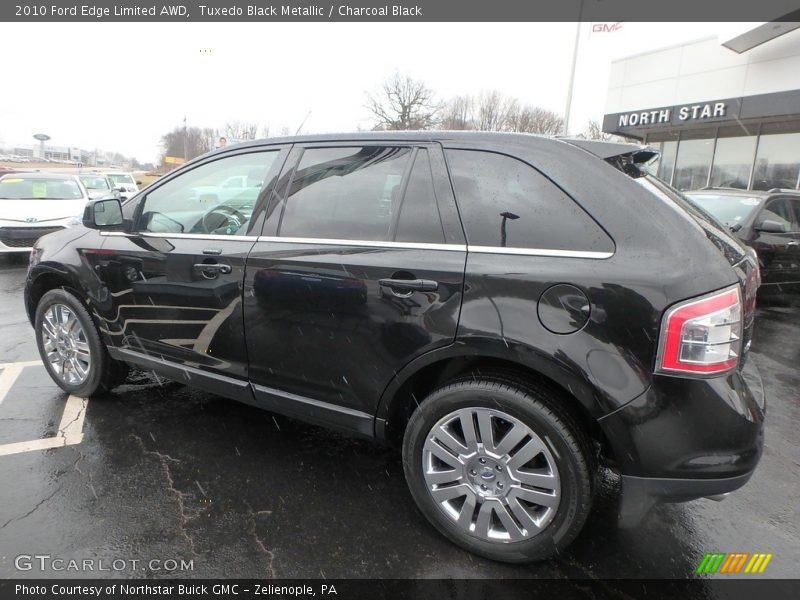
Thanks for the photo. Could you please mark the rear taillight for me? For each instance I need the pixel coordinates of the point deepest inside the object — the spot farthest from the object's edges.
(702, 336)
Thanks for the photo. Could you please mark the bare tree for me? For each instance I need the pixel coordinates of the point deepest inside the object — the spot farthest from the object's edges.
(594, 131)
(492, 110)
(193, 141)
(534, 119)
(238, 130)
(457, 114)
(403, 103)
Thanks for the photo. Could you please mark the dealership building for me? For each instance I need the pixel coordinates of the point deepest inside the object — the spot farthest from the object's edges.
(721, 113)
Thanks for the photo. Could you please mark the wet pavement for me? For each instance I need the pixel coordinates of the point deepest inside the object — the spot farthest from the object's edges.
(165, 473)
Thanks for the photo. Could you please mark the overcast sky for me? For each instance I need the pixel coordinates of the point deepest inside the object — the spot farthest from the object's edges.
(121, 86)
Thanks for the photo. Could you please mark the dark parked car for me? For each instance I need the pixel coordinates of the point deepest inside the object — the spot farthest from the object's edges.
(768, 222)
(512, 311)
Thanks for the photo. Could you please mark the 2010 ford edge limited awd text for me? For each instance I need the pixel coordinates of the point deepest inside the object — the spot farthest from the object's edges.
(513, 311)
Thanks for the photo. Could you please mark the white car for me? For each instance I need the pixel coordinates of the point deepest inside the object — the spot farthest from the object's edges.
(124, 182)
(35, 204)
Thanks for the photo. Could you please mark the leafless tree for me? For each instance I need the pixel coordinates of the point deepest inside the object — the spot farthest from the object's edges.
(403, 103)
(457, 114)
(594, 131)
(193, 141)
(239, 131)
(492, 110)
(534, 119)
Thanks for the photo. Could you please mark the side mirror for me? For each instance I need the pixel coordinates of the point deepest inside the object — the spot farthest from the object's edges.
(103, 214)
(768, 226)
(138, 183)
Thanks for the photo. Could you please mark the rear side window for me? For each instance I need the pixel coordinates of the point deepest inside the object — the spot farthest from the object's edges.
(505, 202)
(345, 193)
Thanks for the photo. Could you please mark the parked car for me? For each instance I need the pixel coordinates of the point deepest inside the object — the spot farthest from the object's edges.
(511, 311)
(768, 222)
(33, 204)
(98, 185)
(124, 183)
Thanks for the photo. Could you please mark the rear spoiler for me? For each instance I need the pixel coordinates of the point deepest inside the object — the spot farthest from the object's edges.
(628, 158)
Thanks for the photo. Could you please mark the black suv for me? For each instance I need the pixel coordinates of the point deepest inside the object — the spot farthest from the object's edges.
(768, 222)
(513, 311)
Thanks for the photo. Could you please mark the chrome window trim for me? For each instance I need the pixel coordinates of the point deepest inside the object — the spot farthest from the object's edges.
(542, 252)
(364, 243)
(377, 244)
(185, 236)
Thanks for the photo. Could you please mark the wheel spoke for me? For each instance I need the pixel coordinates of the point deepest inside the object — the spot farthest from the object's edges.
(542, 480)
(534, 497)
(468, 427)
(523, 516)
(511, 439)
(442, 454)
(467, 510)
(82, 350)
(447, 439)
(442, 477)
(452, 491)
(484, 520)
(525, 454)
(78, 368)
(514, 532)
(485, 429)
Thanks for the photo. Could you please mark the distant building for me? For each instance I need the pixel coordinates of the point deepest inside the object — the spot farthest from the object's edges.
(719, 118)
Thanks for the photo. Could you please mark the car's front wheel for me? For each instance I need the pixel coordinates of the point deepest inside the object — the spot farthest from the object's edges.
(498, 469)
(71, 348)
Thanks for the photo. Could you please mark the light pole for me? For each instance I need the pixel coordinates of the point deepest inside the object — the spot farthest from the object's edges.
(185, 146)
(572, 71)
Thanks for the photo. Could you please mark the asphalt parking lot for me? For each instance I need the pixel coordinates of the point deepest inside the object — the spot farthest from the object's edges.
(160, 472)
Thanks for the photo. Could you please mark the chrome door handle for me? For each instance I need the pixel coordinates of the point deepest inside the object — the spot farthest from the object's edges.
(216, 267)
(793, 243)
(410, 285)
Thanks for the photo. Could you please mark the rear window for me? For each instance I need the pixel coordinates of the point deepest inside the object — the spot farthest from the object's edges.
(504, 202)
(727, 209)
(122, 178)
(28, 188)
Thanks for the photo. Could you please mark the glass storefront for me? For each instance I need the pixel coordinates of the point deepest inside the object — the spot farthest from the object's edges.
(742, 157)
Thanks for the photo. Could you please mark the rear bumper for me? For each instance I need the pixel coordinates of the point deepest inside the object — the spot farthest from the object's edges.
(687, 438)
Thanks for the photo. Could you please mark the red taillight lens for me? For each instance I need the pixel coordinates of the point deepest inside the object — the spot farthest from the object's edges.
(702, 336)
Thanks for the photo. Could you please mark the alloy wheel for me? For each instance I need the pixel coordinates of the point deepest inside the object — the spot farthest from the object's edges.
(491, 474)
(65, 344)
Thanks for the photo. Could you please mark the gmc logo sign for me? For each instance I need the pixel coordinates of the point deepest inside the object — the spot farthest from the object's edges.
(606, 27)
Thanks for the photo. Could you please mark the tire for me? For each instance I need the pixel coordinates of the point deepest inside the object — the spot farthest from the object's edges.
(66, 335)
(500, 481)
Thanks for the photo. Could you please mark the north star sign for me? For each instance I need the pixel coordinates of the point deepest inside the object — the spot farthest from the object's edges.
(686, 113)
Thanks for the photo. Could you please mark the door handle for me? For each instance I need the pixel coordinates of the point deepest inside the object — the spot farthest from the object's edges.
(793, 243)
(214, 267)
(410, 285)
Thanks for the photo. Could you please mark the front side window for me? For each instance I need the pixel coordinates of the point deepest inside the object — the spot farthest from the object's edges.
(505, 202)
(780, 210)
(345, 193)
(198, 201)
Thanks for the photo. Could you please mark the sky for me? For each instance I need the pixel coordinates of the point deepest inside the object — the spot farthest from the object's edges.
(121, 86)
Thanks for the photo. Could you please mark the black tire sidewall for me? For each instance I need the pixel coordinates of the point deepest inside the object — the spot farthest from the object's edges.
(97, 351)
(572, 466)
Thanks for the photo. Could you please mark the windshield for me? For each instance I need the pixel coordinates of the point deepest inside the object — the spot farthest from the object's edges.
(22, 188)
(94, 182)
(122, 178)
(728, 209)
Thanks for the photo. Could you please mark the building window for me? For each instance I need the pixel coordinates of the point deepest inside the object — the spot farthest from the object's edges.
(777, 161)
(733, 160)
(664, 166)
(694, 161)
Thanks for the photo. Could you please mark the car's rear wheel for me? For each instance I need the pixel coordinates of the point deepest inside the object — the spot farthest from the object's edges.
(71, 348)
(498, 469)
